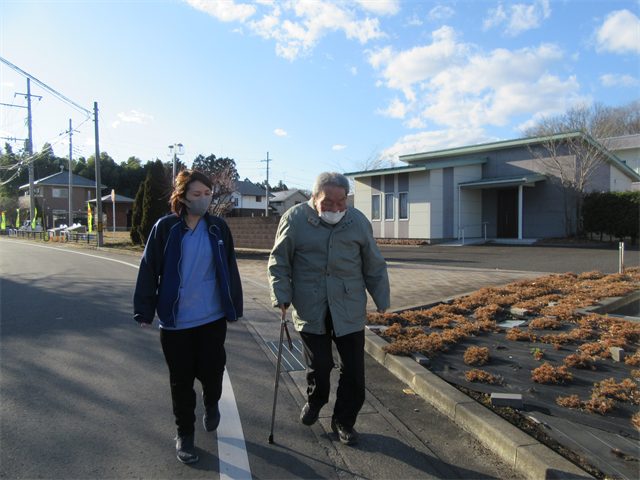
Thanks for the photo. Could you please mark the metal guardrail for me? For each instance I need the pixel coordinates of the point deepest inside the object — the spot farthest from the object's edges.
(475, 225)
(57, 237)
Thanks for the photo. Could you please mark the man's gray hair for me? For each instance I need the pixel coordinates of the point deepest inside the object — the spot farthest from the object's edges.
(330, 178)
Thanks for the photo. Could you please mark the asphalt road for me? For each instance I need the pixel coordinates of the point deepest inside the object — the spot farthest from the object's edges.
(527, 258)
(84, 391)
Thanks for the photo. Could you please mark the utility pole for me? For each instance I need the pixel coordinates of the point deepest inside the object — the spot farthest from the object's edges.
(70, 174)
(28, 146)
(98, 183)
(266, 208)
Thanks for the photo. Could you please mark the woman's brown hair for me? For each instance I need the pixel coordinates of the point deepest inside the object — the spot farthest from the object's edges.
(181, 187)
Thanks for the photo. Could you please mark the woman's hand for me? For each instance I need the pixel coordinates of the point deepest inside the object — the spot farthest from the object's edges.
(145, 324)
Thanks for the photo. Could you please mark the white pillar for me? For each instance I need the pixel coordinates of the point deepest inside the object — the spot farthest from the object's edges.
(520, 190)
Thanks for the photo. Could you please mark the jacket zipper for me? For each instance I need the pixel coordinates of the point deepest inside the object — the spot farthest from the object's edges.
(173, 309)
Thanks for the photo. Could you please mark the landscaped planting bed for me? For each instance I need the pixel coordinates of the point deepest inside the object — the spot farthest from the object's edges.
(558, 359)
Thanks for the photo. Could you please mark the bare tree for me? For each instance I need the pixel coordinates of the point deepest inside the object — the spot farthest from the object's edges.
(224, 184)
(570, 155)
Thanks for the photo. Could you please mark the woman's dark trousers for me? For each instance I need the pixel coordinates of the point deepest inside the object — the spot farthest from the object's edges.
(194, 353)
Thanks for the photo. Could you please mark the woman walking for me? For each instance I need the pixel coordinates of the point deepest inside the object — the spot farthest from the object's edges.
(189, 276)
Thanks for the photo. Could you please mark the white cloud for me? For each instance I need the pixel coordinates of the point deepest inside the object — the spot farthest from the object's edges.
(458, 86)
(353, 70)
(397, 109)
(441, 13)
(611, 80)
(310, 21)
(225, 10)
(413, 21)
(132, 117)
(280, 133)
(519, 17)
(380, 7)
(438, 140)
(619, 33)
(339, 147)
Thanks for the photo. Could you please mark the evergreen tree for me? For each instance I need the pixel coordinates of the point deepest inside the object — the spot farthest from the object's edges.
(155, 204)
(136, 217)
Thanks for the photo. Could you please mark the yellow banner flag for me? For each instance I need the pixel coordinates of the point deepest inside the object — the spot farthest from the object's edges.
(18, 218)
(33, 222)
(4, 222)
(90, 219)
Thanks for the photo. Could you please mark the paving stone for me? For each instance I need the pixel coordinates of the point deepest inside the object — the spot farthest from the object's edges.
(513, 400)
(617, 354)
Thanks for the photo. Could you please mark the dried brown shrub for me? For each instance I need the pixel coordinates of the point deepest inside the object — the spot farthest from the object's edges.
(535, 304)
(595, 275)
(563, 311)
(444, 322)
(559, 339)
(545, 324)
(384, 319)
(625, 391)
(629, 331)
(517, 335)
(635, 373)
(600, 404)
(476, 375)
(417, 317)
(579, 361)
(538, 355)
(633, 360)
(477, 356)
(635, 420)
(570, 402)
(595, 349)
(592, 321)
(398, 331)
(583, 334)
(548, 375)
(442, 310)
(609, 340)
(454, 335)
(488, 326)
(488, 312)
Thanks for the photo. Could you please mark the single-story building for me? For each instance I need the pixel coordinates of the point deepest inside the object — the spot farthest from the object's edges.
(284, 200)
(505, 187)
(124, 211)
(53, 195)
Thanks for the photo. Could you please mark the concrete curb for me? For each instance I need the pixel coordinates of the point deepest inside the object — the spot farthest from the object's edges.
(528, 456)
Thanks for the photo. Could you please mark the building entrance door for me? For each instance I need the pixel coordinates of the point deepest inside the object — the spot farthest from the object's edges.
(508, 213)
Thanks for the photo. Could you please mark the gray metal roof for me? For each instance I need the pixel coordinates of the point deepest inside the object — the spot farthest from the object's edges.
(622, 143)
(119, 198)
(250, 189)
(283, 195)
(61, 179)
(504, 181)
(419, 168)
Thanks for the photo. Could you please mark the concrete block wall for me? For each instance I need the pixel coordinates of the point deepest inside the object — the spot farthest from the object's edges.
(253, 232)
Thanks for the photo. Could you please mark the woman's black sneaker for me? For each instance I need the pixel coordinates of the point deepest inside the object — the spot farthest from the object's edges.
(347, 435)
(310, 414)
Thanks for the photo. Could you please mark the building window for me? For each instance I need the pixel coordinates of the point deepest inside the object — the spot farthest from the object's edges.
(404, 206)
(88, 194)
(258, 199)
(388, 206)
(60, 193)
(235, 202)
(375, 207)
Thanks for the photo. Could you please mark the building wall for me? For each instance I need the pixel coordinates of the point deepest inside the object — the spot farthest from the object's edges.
(631, 156)
(618, 181)
(468, 202)
(419, 205)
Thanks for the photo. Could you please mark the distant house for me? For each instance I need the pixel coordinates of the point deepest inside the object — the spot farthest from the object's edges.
(500, 186)
(627, 149)
(249, 200)
(53, 196)
(124, 211)
(283, 201)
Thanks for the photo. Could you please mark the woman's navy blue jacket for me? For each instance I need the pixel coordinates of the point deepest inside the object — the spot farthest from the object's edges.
(158, 284)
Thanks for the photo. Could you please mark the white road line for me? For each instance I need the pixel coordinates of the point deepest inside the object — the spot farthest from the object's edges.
(57, 249)
(232, 450)
(257, 283)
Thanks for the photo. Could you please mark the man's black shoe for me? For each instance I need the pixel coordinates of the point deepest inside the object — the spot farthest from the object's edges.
(211, 418)
(185, 449)
(310, 414)
(347, 435)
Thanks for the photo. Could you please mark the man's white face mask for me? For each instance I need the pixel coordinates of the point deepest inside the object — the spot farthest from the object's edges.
(332, 217)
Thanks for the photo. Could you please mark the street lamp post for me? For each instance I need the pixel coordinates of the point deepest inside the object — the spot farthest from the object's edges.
(175, 150)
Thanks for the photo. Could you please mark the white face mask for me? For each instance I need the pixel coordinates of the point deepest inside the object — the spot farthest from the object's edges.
(332, 217)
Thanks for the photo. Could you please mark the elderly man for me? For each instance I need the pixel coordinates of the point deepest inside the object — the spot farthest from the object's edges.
(324, 261)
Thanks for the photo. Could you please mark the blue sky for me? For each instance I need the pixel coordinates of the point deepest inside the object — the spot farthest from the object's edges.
(320, 85)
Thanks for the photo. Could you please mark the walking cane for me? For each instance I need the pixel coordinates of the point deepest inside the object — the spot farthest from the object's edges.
(283, 329)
